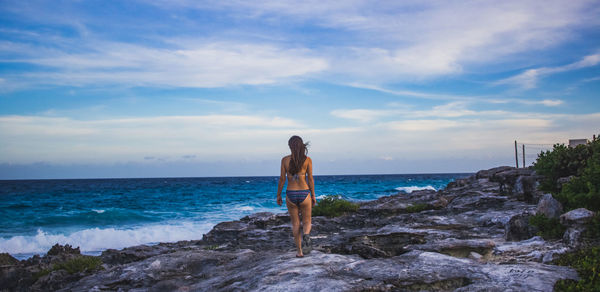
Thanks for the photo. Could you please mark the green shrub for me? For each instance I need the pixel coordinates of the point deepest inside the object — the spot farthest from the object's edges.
(584, 190)
(79, 264)
(583, 162)
(587, 264)
(593, 228)
(549, 228)
(562, 161)
(41, 273)
(418, 208)
(211, 247)
(333, 206)
(73, 266)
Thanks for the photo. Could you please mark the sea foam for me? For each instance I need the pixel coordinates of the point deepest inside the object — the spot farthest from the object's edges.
(245, 208)
(95, 240)
(411, 189)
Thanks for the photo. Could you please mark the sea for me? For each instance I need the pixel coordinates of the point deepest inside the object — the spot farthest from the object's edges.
(98, 214)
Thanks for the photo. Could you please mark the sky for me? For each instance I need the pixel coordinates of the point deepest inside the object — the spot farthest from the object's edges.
(95, 89)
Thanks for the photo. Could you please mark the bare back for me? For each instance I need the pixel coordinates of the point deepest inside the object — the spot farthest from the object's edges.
(297, 181)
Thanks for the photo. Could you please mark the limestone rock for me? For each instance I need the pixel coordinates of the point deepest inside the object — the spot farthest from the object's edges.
(518, 228)
(252, 271)
(579, 217)
(575, 220)
(563, 180)
(519, 183)
(7, 260)
(58, 249)
(572, 237)
(475, 236)
(35, 273)
(549, 207)
(475, 256)
(488, 173)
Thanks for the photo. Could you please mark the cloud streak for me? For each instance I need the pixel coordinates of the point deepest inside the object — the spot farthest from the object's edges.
(232, 137)
(421, 39)
(415, 40)
(198, 65)
(529, 78)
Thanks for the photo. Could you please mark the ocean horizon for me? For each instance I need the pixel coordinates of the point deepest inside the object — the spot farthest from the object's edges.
(101, 213)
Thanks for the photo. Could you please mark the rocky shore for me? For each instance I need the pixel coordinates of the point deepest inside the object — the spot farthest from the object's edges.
(473, 235)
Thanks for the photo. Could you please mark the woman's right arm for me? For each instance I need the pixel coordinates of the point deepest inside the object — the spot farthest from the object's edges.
(281, 183)
(311, 181)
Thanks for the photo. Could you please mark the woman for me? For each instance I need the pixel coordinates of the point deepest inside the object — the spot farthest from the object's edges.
(300, 193)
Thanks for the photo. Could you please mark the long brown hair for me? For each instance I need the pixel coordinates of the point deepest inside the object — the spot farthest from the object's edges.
(299, 151)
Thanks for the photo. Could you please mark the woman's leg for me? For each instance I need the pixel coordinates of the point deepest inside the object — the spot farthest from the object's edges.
(306, 210)
(294, 216)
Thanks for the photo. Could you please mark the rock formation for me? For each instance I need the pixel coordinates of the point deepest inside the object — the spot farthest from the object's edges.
(472, 236)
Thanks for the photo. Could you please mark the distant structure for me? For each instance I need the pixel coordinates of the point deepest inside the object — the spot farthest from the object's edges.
(537, 148)
(574, 142)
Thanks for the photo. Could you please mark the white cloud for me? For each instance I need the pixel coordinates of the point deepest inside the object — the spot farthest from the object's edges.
(35, 138)
(414, 40)
(362, 115)
(213, 138)
(591, 79)
(453, 129)
(422, 125)
(529, 78)
(458, 99)
(551, 102)
(198, 65)
(419, 39)
(451, 110)
(545, 102)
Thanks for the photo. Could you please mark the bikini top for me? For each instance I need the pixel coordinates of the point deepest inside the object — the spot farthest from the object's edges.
(295, 177)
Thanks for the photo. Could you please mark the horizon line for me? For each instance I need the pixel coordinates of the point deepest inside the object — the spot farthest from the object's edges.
(234, 176)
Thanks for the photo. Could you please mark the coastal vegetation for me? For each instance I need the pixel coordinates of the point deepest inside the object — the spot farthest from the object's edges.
(333, 206)
(549, 228)
(572, 176)
(587, 264)
(416, 208)
(211, 247)
(75, 265)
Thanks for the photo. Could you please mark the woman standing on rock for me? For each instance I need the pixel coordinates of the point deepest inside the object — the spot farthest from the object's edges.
(297, 167)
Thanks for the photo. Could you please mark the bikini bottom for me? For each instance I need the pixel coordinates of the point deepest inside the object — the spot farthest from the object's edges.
(297, 196)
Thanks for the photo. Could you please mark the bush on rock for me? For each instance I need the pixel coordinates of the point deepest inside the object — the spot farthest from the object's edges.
(581, 162)
(333, 206)
(587, 264)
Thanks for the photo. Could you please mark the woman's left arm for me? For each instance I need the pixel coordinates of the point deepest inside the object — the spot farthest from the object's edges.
(281, 183)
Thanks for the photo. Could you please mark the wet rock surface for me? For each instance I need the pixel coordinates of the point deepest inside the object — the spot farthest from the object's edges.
(458, 243)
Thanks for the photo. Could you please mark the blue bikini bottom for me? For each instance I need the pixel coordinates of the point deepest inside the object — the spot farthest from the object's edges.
(297, 196)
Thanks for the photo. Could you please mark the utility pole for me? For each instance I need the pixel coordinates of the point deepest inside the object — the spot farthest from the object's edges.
(516, 154)
(523, 155)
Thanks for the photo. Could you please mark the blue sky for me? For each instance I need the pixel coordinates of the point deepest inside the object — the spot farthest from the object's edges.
(215, 88)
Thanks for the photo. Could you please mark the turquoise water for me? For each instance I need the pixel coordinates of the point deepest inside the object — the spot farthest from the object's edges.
(96, 214)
